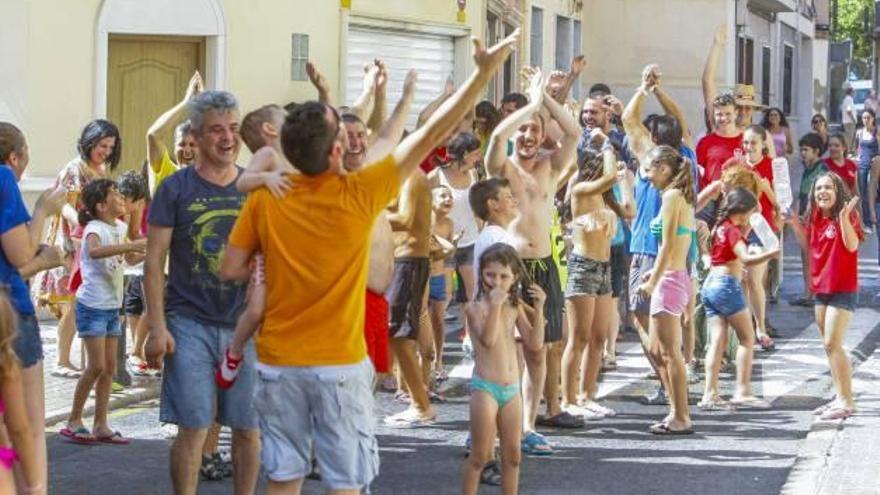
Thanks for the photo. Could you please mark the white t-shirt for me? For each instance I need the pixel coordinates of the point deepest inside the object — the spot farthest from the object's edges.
(847, 108)
(490, 234)
(102, 278)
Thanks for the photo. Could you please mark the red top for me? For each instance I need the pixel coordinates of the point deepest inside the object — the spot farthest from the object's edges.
(764, 169)
(712, 151)
(724, 238)
(434, 160)
(848, 171)
(833, 268)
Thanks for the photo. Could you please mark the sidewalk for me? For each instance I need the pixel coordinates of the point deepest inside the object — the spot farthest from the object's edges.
(843, 457)
(59, 390)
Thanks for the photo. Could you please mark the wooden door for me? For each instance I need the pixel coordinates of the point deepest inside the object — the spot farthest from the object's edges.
(147, 76)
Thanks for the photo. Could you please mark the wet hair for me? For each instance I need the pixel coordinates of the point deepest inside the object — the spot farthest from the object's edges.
(842, 195)
(665, 130)
(486, 110)
(132, 185)
(737, 201)
(93, 133)
(599, 88)
(95, 193)
(765, 121)
(206, 101)
(460, 145)
(812, 140)
(761, 131)
(12, 141)
(518, 99)
(736, 174)
(252, 126)
(8, 332)
(591, 165)
(504, 255)
(307, 137)
(682, 177)
(480, 194)
(724, 100)
(841, 139)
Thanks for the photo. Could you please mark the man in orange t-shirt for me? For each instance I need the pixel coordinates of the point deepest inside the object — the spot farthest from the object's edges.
(315, 380)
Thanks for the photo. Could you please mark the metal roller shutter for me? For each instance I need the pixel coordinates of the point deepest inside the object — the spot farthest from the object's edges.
(432, 56)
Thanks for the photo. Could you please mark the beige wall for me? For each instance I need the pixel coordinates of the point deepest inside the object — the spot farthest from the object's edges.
(655, 32)
(53, 45)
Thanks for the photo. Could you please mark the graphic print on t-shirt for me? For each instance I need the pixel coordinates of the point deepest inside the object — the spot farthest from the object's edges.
(213, 218)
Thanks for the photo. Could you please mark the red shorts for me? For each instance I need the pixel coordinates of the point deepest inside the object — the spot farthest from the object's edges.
(376, 331)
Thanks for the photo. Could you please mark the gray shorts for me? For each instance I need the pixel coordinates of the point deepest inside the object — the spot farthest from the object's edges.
(587, 277)
(189, 392)
(329, 408)
(641, 264)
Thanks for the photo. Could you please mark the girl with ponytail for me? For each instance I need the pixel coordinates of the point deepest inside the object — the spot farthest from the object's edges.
(724, 300)
(669, 283)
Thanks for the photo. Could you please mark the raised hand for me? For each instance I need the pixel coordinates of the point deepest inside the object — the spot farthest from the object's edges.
(488, 60)
(720, 35)
(847, 210)
(614, 104)
(526, 75)
(409, 82)
(382, 75)
(650, 77)
(536, 88)
(555, 82)
(449, 88)
(315, 76)
(371, 76)
(194, 87)
(577, 65)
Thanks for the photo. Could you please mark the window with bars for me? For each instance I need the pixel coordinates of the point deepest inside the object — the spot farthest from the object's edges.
(765, 75)
(745, 60)
(787, 74)
(299, 56)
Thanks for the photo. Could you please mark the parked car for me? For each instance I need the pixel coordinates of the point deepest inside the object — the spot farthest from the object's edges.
(861, 90)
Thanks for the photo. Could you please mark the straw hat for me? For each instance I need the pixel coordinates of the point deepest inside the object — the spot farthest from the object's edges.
(744, 95)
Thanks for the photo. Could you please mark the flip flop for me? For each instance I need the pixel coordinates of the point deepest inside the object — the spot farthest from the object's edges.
(535, 444)
(561, 420)
(836, 413)
(491, 474)
(115, 439)
(81, 435)
(716, 404)
(664, 429)
(751, 403)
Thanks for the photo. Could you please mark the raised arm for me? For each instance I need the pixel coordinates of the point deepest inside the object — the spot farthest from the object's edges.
(574, 72)
(566, 156)
(672, 109)
(848, 231)
(417, 145)
(639, 137)
(363, 106)
(402, 218)
(710, 89)
(602, 184)
(389, 135)
(163, 128)
(320, 83)
(496, 153)
(380, 111)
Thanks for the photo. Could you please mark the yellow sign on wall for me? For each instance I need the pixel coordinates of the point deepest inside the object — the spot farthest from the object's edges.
(345, 4)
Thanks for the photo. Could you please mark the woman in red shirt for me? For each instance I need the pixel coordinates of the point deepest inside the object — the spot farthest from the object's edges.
(724, 302)
(757, 158)
(831, 237)
(838, 163)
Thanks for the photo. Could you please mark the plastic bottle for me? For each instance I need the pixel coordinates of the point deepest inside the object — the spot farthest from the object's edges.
(762, 229)
(782, 183)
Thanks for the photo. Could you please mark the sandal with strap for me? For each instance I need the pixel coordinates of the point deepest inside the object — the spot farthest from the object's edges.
(209, 471)
(491, 474)
(836, 412)
(767, 343)
(534, 443)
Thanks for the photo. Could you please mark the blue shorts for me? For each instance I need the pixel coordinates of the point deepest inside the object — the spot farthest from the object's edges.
(190, 396)
(28, 346)
(839, 300)
(722, 295)
(325, 409)
(94, 322)
(437, 288)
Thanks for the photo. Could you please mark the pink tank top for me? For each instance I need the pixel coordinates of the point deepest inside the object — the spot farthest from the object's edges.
(779, 143)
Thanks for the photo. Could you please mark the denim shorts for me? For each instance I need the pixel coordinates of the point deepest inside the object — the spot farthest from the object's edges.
(722, 295)
(437, 288)
(190, 396)
(840, 300)
(94, 322)
(640, 265)
(328, 409)
(28, 346)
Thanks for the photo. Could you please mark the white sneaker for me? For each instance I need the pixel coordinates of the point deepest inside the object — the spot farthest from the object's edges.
(691, 369)
(597, 408)
(582, 412)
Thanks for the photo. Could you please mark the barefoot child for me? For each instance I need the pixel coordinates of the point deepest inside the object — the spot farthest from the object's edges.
(831, 239)
(496, 312)
(443, 245)
(13, 415)
(98, 301)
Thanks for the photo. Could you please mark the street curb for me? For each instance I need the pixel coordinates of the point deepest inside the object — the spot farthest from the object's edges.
(811, 465)
(131, 396)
